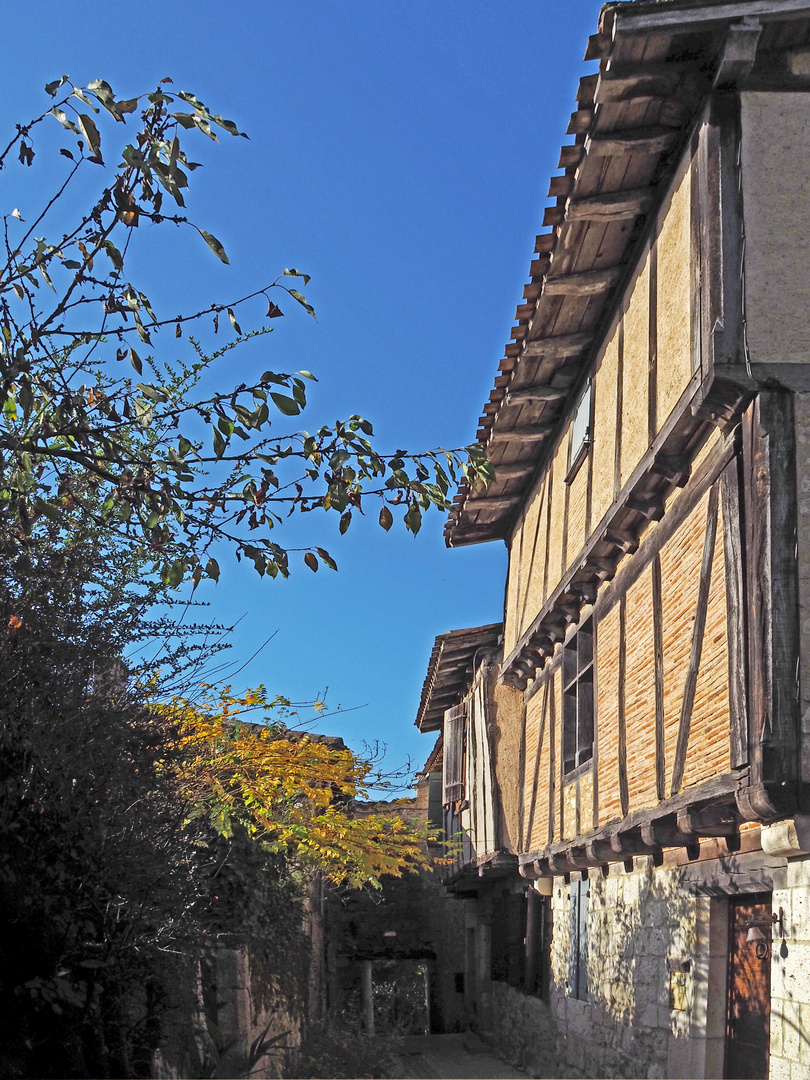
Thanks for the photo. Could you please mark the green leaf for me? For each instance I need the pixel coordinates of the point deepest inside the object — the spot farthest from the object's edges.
(327, 558)
(296, 295)
(386, 518)
(311, 560)
(90, 132)
(52, 87)
(136, 362)
(286, 405)
(345, 522)
(297, 273)
(233, 322)
(220, 445)
(63, 119)
(214, 244)
(306, 375)
(212, 569)
(413, 518)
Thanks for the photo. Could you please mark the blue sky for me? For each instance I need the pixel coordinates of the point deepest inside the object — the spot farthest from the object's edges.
(399, 153)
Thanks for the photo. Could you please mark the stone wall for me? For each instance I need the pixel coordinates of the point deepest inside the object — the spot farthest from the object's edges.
(790, 977)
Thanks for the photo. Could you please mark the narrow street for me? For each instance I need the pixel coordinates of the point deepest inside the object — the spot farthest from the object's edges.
(453, 1057)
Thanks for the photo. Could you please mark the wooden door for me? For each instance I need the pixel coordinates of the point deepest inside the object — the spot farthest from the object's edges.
(748, 1011)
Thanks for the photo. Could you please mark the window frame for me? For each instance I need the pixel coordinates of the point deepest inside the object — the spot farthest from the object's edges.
(577, 453)
(578, 701)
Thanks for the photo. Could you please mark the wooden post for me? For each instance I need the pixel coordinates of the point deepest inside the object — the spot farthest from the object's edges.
(367, 994)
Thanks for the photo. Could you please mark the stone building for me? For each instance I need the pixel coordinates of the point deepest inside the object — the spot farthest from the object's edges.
(625, 760)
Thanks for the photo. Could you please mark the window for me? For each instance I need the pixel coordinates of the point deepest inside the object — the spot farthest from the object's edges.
(453, 759)
(580, 432)
(578, 939)
(577, 717)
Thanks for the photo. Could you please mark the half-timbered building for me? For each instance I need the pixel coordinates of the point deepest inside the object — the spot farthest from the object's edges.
(626, 758)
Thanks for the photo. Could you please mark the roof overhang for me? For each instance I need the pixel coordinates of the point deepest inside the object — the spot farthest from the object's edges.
(450, 671)
(658, 62)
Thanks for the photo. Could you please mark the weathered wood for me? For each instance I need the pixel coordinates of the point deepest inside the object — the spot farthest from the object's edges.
(570, 156)
(516, 470)
(630, 22)
(697, 642)
(622, 539)
(735, 602)
(651, 506)
(560, 185)
(718, 819)
(652, 140)
(609, 206)
(580, 121)
(624, 795)
(623, 81)
(528, 433)
(658, 649)
(585, 283)
(559, 346)
(664, 832)
(598, 46)
(652, 354)
(554, 215)
(552, 754)
(524, 395)
(498, 502)
(739, 53)
(617, 448)
(674, 469)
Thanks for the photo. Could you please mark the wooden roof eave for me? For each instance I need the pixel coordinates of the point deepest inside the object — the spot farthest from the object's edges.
(477, 515)
(450, 671)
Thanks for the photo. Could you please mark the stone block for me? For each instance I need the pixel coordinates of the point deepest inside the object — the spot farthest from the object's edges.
(804, 1038)
(648, 1015)
(780, 1069)
(791, 1031)
(798, 872)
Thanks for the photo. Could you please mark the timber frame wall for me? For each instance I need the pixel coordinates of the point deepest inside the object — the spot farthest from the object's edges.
(702, 461)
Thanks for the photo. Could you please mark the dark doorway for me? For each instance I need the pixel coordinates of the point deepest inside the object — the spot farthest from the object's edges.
(748, 1012)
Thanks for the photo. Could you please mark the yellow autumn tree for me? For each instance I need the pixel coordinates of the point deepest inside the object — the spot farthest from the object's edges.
(289, 791)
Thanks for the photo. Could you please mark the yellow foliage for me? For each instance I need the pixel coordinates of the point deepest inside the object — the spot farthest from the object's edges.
(291, 792)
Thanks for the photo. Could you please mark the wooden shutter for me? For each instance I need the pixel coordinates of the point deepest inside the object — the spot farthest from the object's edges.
(453, 766)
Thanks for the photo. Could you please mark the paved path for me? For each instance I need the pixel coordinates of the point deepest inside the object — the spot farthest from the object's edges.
(452, 1057)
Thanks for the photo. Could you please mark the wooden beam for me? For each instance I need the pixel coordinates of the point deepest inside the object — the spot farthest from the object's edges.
(736, 612)
(624, 81)
(658, 650)
(579, 122)
(649, 140)
(515, 470)
(529, 433)
(494, 502)
(560, 185)
(651, 507)
(674, 469)
(587, 283)
(529, 395)
(666, 18)
(624, 796)
(570, 155)
(713, 820)
(697, 641)
(560, 346)
(609, 206)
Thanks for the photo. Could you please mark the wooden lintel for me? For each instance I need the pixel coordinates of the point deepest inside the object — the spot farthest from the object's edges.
(650, 140)
(530, 394)
(560, 346)
(583, 284)
(609, 205)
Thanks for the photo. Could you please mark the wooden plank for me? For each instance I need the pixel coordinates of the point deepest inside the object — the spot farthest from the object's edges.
(697, 642)
(652, 335)
(536, 770)
(617, 449)
(561, 346)
(735, 601)
(530, 433)
(570, 155)
(648, 140)
(658, 647)
(624, 794)
(530, 395)
(660, 18)
(515, 470)
(612, 205)
(552, 751)
(588, 283)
